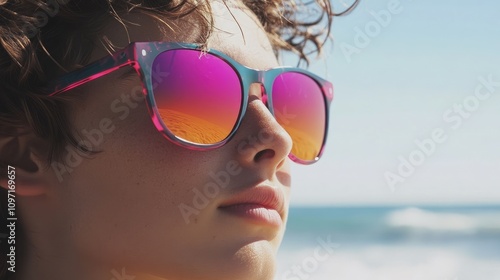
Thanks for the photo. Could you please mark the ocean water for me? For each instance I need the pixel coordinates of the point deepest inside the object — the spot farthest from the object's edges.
(389, 243)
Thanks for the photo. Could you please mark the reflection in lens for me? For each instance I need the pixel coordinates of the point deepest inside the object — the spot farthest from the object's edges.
(299, 106)
(198, 96)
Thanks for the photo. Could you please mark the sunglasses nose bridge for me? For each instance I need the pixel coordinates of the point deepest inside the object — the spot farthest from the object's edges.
(251, 80)
(261, 80)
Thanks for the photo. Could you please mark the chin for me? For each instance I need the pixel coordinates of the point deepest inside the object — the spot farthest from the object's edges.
(256, 260)
(252, 261)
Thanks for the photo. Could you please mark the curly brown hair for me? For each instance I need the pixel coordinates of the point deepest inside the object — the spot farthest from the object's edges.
(40, 39)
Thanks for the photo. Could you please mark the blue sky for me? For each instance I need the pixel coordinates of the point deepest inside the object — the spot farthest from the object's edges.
(407, 80)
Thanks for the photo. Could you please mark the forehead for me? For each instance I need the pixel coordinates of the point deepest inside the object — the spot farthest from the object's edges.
(237, 33)
(240, 35)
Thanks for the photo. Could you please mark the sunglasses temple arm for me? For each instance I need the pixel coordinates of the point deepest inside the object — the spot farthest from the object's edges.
(93, 71)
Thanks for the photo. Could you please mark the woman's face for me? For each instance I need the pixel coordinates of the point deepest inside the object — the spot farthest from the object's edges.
(144, 204)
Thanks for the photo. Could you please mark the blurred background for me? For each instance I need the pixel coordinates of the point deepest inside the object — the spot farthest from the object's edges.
(409, 185)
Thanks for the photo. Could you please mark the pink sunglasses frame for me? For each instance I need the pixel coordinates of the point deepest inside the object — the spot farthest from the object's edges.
(141, 55)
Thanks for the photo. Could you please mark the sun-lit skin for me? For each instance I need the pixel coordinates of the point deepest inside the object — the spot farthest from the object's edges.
(119, 209)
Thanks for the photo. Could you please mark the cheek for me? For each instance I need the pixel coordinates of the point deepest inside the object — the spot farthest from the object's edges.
(121, 205)
(126, 197)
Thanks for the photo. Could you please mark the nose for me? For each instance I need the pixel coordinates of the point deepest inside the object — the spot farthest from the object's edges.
(260, 140)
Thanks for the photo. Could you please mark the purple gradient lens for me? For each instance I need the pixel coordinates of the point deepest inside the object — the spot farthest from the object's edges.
(300, 107)
(198, 95)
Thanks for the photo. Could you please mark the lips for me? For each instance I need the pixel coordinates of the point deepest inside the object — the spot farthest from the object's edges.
(259, 205)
